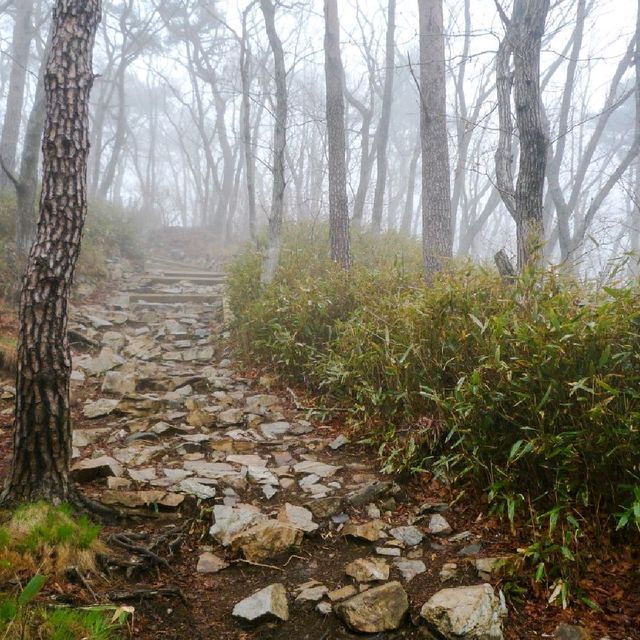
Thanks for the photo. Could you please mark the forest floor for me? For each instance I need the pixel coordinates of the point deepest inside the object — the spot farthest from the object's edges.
(168, 429)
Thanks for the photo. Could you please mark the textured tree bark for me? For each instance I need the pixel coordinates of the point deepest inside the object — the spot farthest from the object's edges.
(338, 202)
(279, 145)
(522, 41)
(529, 17)
(42, 436)
(382, 137)
(21, 43)
(437, 237)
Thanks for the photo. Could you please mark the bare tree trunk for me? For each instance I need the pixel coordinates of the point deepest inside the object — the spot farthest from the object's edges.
(279, 145)
(407, 216)
(42, 437)
(26, 192)
(436, 187)
(22, 32)
(338, 202)
(382, 136)
(522, 41)
(121, 128)
(366, 159)
(249, 160)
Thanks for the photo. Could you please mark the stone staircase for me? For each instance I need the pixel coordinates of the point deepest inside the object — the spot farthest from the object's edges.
(165, 281)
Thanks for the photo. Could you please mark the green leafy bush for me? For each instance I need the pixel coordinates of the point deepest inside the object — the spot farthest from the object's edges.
(530, 392)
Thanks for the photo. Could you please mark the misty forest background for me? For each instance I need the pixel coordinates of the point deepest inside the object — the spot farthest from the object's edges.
(359, 170)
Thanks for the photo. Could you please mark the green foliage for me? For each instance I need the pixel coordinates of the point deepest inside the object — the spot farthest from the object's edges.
(21, 618)
(108, 231)
(530, 392)
(35, 526)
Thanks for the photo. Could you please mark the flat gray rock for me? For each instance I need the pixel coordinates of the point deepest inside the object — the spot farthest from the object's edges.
(312, 467)
(410, 568)
(438, 526)
(100, 408)
(269, 603)
(410, 535)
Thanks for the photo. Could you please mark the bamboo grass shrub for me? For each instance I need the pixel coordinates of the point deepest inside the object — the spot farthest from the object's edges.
(529, 392)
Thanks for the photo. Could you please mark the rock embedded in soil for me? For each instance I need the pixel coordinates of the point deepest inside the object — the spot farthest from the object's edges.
(382, 608)
(488, 568)
(210, 563)
(367, 570)
(312, 594)
(269, 603)
(449, 571)
(370, 531)
(410, 535)
(410, 568)
(438, 526)
(266, 540)
(134, 499)
(323, 508)
(94, 468)
(313, 467)
(298, 517)
(571, 632)
(342, 594)
(469, 613)
(100, 408)
(118, 383)
(372, 492)
(228, 521)
(339, 442)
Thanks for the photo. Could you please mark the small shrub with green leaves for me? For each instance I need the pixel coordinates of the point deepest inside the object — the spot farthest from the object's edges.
(529, 391)
(22, 619)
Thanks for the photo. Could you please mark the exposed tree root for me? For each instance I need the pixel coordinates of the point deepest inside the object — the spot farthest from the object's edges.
(125, 542)
(142, 594)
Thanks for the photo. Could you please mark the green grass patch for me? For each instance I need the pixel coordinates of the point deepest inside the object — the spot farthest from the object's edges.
(529, 392)
(49, 539)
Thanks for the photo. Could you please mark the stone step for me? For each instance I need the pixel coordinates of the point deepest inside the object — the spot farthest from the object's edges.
(170, 264)
(174, 298)
(192, 278)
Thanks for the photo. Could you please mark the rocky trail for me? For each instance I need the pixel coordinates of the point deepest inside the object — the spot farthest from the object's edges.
(245, 517)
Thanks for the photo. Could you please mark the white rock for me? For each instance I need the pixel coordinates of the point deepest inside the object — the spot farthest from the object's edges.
(319, 469)
(469, 613)
(266, 604)
(229, 521)
(298, 517)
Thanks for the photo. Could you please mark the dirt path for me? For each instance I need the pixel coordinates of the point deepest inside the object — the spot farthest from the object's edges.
(168, 430)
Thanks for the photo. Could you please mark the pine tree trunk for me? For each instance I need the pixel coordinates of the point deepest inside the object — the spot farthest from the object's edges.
(436, 187)
(338, 202)
(42, 437)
